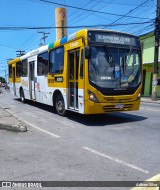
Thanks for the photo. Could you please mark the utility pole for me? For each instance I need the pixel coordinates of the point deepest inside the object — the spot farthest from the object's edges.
(21, 52)
(9, 59)
(44, 37)
(156, 52)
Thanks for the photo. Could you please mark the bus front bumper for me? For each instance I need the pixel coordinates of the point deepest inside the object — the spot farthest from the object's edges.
(102, 108)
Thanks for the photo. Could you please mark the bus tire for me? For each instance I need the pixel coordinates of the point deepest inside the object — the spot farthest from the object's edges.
(22, 96)
(60, 106)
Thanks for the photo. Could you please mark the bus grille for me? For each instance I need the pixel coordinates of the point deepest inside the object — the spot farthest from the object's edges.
(112, 108)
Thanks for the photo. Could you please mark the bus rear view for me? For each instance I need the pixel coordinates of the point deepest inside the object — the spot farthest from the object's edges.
(114, 72)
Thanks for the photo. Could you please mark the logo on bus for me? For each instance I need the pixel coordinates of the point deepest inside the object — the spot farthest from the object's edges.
(73, 44)
(109, 99)
(59, 79)
(24, 83)
(50, 80)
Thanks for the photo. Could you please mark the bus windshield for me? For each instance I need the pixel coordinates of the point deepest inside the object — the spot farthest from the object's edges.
(114, 67)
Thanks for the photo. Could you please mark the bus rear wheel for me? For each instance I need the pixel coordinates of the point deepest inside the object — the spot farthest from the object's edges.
(22, 96)
(60, 106)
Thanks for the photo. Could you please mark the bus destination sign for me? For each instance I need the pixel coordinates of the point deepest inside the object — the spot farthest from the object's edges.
(113, 38)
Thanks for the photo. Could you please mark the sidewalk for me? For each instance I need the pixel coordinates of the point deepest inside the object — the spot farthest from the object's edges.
(149, 100)
(9, 122)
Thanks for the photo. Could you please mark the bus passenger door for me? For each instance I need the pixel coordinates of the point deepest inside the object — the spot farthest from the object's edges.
(14, 80)
(31, 80)
(75, 82)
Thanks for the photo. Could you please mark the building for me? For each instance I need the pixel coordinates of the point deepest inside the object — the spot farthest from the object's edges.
(148, 43)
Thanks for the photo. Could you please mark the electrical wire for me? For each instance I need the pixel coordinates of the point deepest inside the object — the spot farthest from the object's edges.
(133, 28)
(83, 16)
(82, 26)
(129, 12)
(84, 9)
(121, 4)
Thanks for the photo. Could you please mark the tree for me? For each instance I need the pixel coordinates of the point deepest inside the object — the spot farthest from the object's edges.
(2, 80)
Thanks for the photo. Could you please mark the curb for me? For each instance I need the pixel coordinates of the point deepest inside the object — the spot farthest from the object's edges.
(16, 128)
(19, 127)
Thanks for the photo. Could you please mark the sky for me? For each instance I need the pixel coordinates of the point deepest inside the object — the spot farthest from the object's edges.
(41, 13)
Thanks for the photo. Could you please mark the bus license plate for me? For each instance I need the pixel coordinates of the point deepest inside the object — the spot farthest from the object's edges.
(119, 106)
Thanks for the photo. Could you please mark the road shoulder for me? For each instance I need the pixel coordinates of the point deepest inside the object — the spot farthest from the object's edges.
(10, 122)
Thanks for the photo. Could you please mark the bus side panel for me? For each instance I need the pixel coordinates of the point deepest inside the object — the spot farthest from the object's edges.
(81, 100)
(25, 87)
(41, 83)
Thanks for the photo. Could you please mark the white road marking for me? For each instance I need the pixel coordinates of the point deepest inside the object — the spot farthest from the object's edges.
(149, 109)
(58, 119)
(154, 136)
(34, 126)
(116, 160)
(66, 123)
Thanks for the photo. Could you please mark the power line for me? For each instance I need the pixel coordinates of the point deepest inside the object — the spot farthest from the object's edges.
(74, 13)
(84, 17)
(101, 12)
(122, 4)
(7, 46)
(79, 16)
(27, 42)
(129, 12)
(31, 42)
(82, 26)
(145, 29)
(149, 13)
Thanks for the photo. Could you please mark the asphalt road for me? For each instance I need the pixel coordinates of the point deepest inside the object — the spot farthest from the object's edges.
(112, 147)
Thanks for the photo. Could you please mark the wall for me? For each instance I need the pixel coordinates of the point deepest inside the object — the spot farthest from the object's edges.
(148, 42)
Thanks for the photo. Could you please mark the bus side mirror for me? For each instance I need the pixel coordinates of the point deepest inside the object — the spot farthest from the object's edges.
(87, 52)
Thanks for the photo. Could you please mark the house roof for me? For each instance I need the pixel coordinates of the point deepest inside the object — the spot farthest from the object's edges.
(148, 34)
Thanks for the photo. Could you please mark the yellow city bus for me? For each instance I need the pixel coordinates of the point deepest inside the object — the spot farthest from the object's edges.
(90, 72)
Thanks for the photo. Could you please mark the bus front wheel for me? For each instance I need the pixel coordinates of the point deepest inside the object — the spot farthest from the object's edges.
(60, 106)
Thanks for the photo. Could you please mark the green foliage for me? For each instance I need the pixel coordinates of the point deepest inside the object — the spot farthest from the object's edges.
(2, 80)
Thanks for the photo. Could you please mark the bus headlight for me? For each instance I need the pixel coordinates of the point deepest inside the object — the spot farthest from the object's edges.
(139, 96)
(92, 96)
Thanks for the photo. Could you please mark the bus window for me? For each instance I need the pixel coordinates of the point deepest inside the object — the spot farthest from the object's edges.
(71, 58)
(42, 65)
(18, 69)
(81, 63)
(56, 61)
(24, 68)
(77, 63)
(10, 71)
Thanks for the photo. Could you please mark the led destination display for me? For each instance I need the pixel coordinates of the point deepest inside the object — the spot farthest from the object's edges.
(112, 38)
